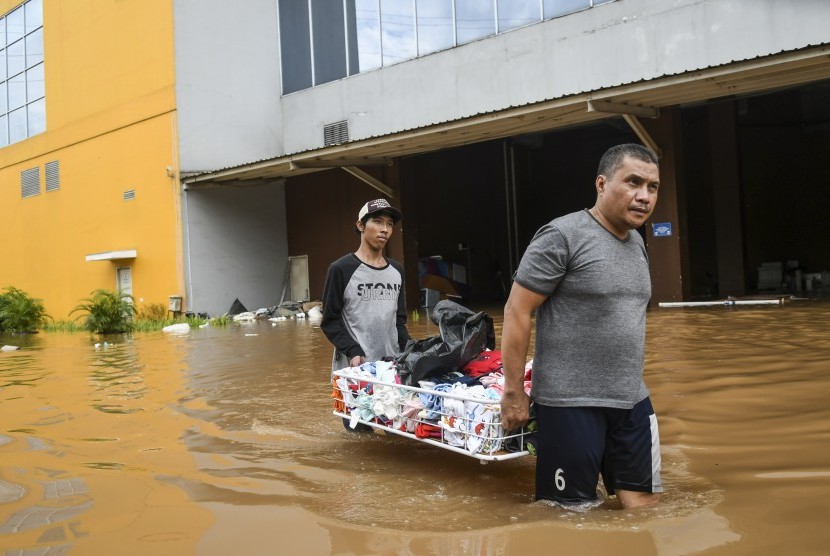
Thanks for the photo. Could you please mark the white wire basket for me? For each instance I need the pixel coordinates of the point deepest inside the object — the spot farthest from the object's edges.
(465, 420)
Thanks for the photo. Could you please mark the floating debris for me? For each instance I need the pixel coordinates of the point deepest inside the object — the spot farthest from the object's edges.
(178, 327)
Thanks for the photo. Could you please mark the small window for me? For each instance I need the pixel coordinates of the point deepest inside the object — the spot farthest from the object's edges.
(16, 57)
(295, 37)
(17, 125)
(14, 25)
(34, 48)
(435, 26)
(329, 38)
(36, 117)
(17, 91)
(30, 182)
(363, 20)
(129, 195)
(34, 16)
(397, 31)
(474, 20)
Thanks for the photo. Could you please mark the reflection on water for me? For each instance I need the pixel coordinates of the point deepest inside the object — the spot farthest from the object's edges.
(115, 375)
(222, 441)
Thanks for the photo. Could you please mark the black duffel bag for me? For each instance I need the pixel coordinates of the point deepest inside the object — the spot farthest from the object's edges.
(464, 334)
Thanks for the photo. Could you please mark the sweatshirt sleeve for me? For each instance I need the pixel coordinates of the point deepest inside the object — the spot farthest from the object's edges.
(400, 319)
(332, 323)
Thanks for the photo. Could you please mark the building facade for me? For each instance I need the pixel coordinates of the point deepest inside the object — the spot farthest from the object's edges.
(89, 196)
(220, 145)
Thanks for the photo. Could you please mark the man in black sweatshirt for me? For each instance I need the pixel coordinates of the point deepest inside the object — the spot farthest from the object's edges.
(364, 308)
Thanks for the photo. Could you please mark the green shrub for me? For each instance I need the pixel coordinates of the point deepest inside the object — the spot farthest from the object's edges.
(224, 320)
(107, 312)
(146, 325)
(20, 312)
(153, 311)
(62, 326)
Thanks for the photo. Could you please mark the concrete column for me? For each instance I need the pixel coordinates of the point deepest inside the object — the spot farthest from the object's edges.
(407, 191)
(668, 255)
(727, 198)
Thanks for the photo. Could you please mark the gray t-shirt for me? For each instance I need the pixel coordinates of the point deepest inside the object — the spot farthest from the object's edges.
(364, 310)
(590, 332)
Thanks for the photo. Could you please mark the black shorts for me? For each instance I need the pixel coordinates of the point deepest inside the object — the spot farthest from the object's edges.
(578, 444)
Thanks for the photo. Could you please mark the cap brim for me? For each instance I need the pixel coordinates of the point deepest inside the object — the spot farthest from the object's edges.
(396, 214)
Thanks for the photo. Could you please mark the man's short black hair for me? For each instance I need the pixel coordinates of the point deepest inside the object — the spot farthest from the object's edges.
(613, 157)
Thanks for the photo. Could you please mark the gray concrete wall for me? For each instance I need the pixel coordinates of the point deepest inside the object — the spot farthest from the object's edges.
(228, 108)
(227, 83)
(230, 111)
(236, 247)
(612, 44)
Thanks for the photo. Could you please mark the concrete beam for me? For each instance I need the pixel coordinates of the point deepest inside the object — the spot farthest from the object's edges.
(370, 180)
(643, 134)
(607, 107)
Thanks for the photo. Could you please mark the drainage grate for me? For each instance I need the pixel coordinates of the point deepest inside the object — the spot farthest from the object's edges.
(53, 175)
(30, 182)
(336, 133)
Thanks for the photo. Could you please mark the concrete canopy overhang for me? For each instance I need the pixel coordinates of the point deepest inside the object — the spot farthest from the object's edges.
(113, 255)
(643, 98)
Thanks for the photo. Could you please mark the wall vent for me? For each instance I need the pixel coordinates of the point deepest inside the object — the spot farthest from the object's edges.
(30, 182)
(53, 175)
(336, 133)
(129, 195)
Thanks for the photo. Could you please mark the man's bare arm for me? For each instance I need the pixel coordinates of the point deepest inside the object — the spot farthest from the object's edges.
(515, 341)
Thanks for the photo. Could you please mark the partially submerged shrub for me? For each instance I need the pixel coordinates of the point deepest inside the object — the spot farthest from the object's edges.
(153, 311)
(224, 320)
(62, 326)
(107, 312)
(20, 312)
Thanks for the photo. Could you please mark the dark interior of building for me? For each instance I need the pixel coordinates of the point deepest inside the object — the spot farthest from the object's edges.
(478, 205)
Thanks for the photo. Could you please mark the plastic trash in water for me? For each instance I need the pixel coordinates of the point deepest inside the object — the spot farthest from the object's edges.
(178, 327)
(9, 348)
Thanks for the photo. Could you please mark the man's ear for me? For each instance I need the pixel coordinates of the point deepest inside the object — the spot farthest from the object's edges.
(600, 183)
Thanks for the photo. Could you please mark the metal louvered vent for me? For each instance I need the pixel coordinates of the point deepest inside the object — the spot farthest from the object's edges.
(53, 176)
(129, 195)
(30, 182)
(336, 133)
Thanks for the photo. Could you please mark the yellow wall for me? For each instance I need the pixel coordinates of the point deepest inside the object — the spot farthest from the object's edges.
(110, 122)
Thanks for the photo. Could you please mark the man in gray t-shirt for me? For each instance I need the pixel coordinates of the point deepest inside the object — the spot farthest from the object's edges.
(585, 276)
(364, 305)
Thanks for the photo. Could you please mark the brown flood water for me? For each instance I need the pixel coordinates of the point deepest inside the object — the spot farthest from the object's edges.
(221, 441)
